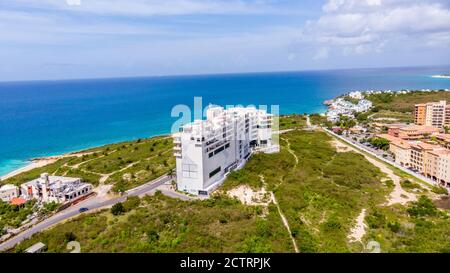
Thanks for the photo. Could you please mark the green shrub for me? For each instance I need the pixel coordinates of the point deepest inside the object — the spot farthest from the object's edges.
(423, 207)
(117, 209)
(439, 190)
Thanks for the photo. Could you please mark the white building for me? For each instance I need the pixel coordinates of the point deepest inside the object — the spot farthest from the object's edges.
(207, 150)
(342, 107)
(8, 192)
(58, 189)
(356, 95)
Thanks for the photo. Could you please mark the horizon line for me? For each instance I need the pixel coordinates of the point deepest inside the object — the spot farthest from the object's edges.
(221, 73)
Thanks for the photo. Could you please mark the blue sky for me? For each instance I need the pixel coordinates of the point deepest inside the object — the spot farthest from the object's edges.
(63, 39)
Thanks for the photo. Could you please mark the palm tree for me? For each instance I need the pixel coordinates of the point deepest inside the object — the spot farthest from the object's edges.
(171, 173)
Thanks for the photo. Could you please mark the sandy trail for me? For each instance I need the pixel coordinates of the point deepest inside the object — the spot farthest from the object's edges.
(291, 151)
(283, 217)
(359, 230)
(398, 195)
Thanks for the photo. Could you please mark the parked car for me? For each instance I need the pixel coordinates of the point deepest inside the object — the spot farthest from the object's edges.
(83, 210)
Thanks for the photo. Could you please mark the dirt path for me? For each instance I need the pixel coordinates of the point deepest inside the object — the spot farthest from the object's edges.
(398, 195)
(359, 230)
(291, 151)
(308, 121)
(283, 217)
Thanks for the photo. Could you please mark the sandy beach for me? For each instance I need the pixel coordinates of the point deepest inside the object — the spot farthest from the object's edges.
(441, 76)
(40, 162)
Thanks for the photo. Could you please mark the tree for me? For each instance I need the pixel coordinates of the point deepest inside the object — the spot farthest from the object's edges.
(69, 237)
(423, 207)
(380, 143)
(117, 209)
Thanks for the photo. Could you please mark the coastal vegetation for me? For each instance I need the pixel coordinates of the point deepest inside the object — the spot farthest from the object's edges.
(292, 121)
(124, 165)
(315, 189)
(404, 103)
(319, 195)
(163, 224)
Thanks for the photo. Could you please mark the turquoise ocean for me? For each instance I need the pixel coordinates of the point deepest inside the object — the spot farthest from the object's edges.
(44, 118)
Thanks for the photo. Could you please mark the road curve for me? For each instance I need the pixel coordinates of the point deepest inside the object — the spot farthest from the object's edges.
(91, 203)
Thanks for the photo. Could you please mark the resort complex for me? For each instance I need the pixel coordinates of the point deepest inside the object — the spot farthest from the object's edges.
(421, 148)
(342, 107)
(436, 114)
(207, 150)
(46, 189)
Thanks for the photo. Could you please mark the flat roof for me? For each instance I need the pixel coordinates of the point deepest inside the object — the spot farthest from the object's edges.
(35, 247)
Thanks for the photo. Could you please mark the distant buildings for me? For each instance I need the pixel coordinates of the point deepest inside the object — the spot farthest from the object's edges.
(431, 160)
(342, 107)
(58, 189)
(8, 192)
(206, 150)
(436, 114)
(412, 132)
(46, 189)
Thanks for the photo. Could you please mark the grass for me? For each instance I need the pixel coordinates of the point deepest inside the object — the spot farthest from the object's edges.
(405, 117)
(162, 224)
(292, 122)
(404, 103)
(142, 160)
(321, 197)
(398, 231)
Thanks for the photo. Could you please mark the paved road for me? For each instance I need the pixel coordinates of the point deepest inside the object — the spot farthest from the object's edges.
(91, 203)
(364, 149)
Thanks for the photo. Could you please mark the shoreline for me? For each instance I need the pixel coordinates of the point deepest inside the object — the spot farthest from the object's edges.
(39, 162)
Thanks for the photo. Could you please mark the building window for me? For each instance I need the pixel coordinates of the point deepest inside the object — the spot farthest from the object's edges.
(216, 171)
(189, 170)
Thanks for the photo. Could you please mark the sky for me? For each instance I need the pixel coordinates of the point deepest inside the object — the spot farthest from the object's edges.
(68, 39)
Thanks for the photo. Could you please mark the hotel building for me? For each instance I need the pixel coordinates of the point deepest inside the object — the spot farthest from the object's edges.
(432, 114)
(413, 132)
(432, 161)
(58, 189)
(207, 150)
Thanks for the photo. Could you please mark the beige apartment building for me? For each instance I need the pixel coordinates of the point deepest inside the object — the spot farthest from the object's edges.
(413, 132)
(433, 161)
(436, 114)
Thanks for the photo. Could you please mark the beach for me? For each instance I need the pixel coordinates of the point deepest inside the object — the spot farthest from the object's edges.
(441, 76)
(40, 162)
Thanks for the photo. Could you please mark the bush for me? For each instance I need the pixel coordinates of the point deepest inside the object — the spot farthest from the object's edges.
(69, 237)
(439, 190)
(394, 226)
(406, 184)
(132, 202)
(117, 209)
(376, 220)
(380, 143)
(423, 207)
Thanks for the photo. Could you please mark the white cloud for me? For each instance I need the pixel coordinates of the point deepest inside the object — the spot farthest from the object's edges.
(151, 7)
(365, 26)
(322, 53)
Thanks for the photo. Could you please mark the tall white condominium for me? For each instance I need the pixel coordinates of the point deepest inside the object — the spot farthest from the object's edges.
(207, 150)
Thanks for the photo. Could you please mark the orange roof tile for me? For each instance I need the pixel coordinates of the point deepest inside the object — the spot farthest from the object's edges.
(18, 201)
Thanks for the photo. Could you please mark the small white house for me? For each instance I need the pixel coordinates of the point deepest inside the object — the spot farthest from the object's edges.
(8, 192)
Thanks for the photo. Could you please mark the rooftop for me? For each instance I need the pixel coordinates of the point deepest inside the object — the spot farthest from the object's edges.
(18, 201)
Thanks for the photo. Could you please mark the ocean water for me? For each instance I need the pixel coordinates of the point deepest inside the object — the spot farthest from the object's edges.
(43, 118)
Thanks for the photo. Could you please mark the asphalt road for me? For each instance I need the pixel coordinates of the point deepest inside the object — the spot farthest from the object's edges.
(91, 203)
